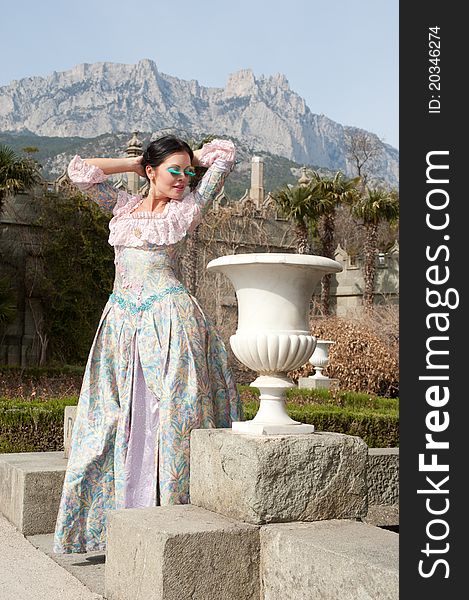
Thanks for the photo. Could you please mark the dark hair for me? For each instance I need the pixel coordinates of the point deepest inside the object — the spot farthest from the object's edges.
(158, 151)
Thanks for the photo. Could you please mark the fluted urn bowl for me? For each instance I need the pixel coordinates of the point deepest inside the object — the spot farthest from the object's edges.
(273, 335)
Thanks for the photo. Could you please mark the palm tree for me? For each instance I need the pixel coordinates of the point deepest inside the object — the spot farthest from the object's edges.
(16, 173)
(297, 206)
(375, 206)
(329, 193)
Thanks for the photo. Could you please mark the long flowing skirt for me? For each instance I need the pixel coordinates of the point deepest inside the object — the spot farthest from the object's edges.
(153, 375)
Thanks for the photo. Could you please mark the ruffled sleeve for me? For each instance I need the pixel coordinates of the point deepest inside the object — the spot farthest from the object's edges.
(91, 180)
(219, 157)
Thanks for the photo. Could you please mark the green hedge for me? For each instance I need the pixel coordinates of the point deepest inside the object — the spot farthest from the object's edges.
(32, 426)
(373, 418)
(38, 426)
(377, 429)
(341, 398)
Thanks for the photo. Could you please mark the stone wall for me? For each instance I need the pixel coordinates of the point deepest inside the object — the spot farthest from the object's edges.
(348, 286)
(20, 341)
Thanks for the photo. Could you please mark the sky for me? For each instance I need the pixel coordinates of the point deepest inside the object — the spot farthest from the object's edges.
(341, 56)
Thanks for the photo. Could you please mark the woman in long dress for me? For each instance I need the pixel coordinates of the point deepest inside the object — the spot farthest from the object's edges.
(157, 369)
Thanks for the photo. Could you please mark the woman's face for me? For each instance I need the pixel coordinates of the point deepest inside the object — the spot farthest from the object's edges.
(169, 180)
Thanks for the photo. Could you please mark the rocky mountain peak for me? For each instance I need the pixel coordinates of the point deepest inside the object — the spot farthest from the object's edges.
(262, 112)
(242, 83)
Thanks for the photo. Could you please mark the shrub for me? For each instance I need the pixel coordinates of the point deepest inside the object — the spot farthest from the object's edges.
(77, 272)
(32, 426)
(365, 355)
(7, 302)
(373, 418)
(378, 430)
(40, 383)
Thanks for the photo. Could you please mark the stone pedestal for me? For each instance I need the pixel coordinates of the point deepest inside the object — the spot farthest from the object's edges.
(70, 414)
(317, 383)
(249, 532)
(179, 552)
(279, 478)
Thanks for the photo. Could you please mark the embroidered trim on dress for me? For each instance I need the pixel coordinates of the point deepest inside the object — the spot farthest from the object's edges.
(134, 308)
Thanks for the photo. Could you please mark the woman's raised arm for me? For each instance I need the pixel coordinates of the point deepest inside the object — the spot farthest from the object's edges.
(218, 156)
(90, 175)
(112, 166)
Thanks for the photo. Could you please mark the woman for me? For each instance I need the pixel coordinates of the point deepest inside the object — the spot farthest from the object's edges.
(156, 369)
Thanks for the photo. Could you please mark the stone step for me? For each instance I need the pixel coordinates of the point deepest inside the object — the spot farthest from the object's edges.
(328, 560)
(176, 552)
(325, 560)
(31, 485)
(30, 489)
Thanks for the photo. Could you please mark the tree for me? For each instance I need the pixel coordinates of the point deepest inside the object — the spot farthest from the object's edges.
(373, 207)
(297, 206)
(328, 194)
(7, 302)
(192, 242)
(16, 173)
(75, 272)
(311, 202)
(362, 150)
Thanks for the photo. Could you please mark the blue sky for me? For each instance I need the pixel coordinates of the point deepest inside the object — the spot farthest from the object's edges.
(340, 56)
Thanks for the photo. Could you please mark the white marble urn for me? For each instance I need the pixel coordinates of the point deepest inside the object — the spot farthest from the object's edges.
(273, 335)
(320, 358)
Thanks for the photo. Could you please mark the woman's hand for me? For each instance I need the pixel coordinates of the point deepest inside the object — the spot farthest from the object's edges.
(196, 159)
(138, 168)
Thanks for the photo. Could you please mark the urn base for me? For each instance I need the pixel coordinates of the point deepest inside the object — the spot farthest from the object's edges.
(253, 428)
(272, 417)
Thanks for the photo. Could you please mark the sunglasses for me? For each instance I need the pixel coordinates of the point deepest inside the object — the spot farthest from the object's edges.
(189, 172)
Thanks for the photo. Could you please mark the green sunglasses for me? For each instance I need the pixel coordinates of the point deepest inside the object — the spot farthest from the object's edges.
(189, 171)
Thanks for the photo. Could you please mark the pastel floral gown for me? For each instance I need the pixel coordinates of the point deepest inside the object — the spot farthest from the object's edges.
(156, 370)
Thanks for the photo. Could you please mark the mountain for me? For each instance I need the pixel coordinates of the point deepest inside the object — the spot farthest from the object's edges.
(54, 153)
(262, 112)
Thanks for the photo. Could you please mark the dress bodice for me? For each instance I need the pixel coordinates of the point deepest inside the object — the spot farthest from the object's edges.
(144, 277)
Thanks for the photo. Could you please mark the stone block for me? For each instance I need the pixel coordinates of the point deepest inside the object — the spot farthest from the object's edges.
(383, 487)
(383, 476)
(328, 560)
(30, 489)
(266, 479)
(180, 551)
